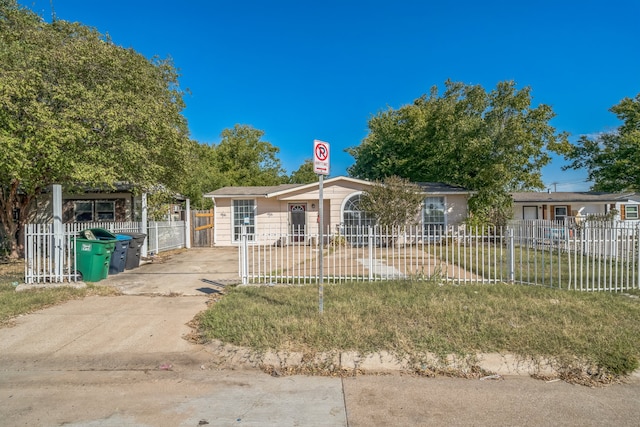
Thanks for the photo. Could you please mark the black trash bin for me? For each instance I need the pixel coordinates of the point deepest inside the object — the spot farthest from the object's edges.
(121, 246)
(133, 254)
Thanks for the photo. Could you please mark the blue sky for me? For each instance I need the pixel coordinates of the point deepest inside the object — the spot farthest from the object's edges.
(303, 70)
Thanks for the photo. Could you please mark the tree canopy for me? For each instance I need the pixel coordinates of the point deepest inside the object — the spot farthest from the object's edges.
(490, 142)
(243, 158)
(77, 109)
(612, 159)
(304, 174)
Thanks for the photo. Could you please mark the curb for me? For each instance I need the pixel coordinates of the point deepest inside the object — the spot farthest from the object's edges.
(379, 363)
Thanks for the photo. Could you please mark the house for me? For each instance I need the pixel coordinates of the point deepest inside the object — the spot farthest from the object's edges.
(92, 205)
(117, 204)
(561, 205)
(293, 209)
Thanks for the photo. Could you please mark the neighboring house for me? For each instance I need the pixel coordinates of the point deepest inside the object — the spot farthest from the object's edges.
(103, 206)
(293, 209)
(93, 205)
(560, 205)
(117, 204)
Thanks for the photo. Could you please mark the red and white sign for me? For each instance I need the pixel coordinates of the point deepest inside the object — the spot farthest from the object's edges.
(320, 157)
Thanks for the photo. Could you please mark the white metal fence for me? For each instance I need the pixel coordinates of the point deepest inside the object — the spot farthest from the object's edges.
(601, 256)
(51, 258)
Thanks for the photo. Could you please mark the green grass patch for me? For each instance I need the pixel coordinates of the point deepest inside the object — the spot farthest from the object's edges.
(408, 318)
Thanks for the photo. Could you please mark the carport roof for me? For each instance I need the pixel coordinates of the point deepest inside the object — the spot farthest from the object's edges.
(584, 196)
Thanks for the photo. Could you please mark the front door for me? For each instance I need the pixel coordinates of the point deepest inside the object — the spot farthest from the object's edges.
(529, 212)
(297, 221)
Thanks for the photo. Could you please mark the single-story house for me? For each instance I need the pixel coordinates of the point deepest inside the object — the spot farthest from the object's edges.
(293, 209)
(92, 205)
(560, 205)
(117, 204)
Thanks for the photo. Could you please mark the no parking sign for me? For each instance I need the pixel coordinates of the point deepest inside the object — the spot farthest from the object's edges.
(320, 157)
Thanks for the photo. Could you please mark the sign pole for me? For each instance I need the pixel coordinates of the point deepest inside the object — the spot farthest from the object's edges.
(321, 240)
(321, 167)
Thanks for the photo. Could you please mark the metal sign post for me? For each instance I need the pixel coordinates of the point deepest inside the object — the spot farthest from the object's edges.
(321, 167)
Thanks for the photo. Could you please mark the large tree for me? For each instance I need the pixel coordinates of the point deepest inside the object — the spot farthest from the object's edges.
(612, 159)
(490, 142)
(243, 158)
(77, 109)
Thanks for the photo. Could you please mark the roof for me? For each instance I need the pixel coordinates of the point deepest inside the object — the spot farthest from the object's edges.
(584, 196)
(274, 190)
(278, 190)
(254, 191)
(441, 188)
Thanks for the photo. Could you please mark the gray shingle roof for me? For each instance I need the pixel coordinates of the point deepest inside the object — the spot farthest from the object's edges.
(263, 191)
(441, 188)
(251, 191)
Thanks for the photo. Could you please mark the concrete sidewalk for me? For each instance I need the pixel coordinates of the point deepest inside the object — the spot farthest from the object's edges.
(124, 361)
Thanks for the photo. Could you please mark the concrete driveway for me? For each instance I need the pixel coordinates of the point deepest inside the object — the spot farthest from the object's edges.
(192, 272)
(124, 361)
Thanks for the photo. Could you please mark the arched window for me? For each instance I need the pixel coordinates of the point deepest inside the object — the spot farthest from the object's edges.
(355, 221)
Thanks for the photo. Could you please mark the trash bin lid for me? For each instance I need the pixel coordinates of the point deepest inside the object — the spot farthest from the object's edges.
(101, 233)
(135, 235)
(123, 237)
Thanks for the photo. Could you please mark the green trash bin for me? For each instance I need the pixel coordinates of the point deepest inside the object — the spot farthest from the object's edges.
(93, 257)
(119, 252)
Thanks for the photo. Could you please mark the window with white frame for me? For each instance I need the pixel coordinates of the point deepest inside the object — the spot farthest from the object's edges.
(244, 214)
(631, 211)
(433, 215)
(354, 219)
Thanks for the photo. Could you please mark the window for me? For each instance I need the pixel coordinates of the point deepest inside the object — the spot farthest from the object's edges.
(631, 212)
(94, 210)
(560, 212)
(354, 219)
(244, 215)
(105, 211)
(433, 215)
(356, 222)
(83, 211)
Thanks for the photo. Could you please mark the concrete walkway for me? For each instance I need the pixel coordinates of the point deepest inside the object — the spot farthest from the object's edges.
(124, 361)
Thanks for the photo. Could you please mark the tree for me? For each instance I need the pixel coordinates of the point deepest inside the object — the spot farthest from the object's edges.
(612, 159)
(202, 175)
(394, 202)
(77, 109)
(490, 142)
(304, 174)
(244, 159)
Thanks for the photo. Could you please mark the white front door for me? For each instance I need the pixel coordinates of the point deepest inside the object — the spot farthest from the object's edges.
(529, 212)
